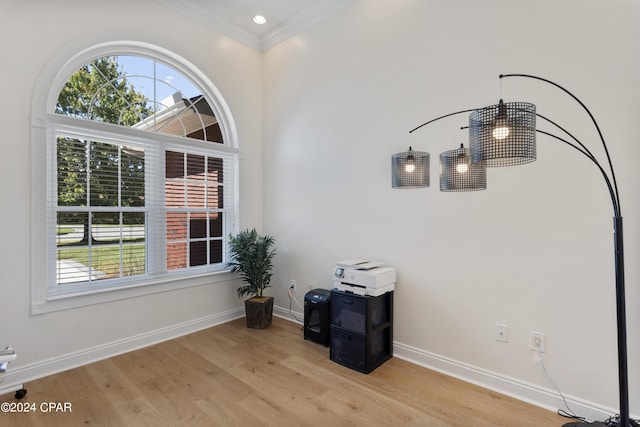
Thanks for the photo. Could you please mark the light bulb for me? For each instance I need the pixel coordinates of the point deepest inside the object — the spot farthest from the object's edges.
(409, 167)
(259, 19)
(501, 132)
(462, 167)
(462, 160)
(501, 126)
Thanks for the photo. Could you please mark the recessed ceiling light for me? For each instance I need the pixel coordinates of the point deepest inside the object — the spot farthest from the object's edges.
(259, 19)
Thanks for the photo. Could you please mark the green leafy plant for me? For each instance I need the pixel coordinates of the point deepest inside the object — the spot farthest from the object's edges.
(252, 256)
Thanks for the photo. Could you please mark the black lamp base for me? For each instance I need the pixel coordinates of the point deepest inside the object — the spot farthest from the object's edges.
(632, 423)
(580, 424)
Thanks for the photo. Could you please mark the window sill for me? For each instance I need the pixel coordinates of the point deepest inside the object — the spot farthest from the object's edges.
(149, 287)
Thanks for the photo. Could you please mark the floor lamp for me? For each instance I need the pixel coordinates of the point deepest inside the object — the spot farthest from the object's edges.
(504, 135)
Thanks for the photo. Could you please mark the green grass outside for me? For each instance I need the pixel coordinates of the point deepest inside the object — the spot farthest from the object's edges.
(107, 259)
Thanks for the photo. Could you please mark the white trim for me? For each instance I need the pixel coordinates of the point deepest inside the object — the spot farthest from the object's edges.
(44, 122)
(526, 392)
(297, 23)
(166, 284)
(285, 314)
(278, 34)
(34, 371)
(56, 74)
(521, 390)
(211, 20)
(530, 393)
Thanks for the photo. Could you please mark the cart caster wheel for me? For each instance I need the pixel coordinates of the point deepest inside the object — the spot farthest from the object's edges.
(21, 393)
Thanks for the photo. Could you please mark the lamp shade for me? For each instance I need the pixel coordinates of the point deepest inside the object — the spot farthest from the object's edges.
(503, 134)
(459, 173)
(410, 169)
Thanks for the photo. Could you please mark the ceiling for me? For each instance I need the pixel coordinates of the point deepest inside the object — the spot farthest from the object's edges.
(234, 17)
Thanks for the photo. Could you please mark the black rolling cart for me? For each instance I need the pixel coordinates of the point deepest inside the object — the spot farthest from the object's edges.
(317, 312)
(361, 330)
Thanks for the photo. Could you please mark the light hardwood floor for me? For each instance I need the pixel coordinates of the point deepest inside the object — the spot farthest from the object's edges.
(230, 375)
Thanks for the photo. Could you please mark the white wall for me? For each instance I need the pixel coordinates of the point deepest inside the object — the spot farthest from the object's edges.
(534, 251)
(33, 33)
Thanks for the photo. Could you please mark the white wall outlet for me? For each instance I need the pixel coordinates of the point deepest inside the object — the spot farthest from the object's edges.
(292, 285)
(536, 341)
(502, 332)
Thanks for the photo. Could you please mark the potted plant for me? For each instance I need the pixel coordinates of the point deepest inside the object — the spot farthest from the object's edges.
(252, 256)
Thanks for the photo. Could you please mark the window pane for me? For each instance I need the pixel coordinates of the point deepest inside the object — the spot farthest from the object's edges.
(176, 226)
(197, 253)
(215, 197)
(134, 260)
(198, 225)
(195, 194)
(215, 254)
(118, 244)
(215, 224)
(195, 167)
(214, 169)
(72, 228)
(71, 159)
(100, 245)
(140, 93)
(132, 177)
(175, 194)
(176, 255)
(103, 176)
(72, 252)
(174, 164)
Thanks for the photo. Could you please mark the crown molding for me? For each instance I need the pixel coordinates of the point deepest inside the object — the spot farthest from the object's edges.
(297, 23)
(209, 20)
(277, 35)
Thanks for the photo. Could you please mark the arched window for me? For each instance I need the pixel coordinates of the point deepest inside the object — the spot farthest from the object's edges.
(141, 178)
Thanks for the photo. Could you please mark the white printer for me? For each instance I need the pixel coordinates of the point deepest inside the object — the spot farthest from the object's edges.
(362, 277)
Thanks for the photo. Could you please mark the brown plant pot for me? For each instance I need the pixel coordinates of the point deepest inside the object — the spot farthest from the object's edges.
(259, 312)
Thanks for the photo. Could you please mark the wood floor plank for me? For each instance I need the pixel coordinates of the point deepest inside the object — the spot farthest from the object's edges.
(230, 375)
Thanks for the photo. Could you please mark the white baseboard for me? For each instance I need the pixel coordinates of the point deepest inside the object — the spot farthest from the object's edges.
(530, 393)
(291, 315)
(22, 374)
(536, 395)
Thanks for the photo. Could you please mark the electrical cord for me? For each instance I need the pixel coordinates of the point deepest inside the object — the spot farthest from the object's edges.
(611, 421)
(614, 421)
(569, 412)
(291, 299)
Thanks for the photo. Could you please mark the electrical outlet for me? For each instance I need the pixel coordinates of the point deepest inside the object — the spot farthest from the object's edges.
(292, 286)
(536, 341)
(502, 332)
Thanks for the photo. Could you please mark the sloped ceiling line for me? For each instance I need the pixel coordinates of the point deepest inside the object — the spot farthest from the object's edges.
(215, 20)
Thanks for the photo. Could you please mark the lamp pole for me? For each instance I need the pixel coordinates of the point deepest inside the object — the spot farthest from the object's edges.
(621, 317)
(609, 177)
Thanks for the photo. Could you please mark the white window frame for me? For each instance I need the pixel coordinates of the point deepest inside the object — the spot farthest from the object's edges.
(46, 124)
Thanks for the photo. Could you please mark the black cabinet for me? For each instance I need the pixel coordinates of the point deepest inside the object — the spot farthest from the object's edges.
(361, 333)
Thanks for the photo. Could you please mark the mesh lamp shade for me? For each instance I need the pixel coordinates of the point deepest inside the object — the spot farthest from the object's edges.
(503, 134)
(410, 169)
(458, 173)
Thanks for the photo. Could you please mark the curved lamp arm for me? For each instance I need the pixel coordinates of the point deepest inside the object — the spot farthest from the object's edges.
(604, 144)
(624, 419)
(585, 151)
(443, 117)
(602, 171)
(623, 375)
